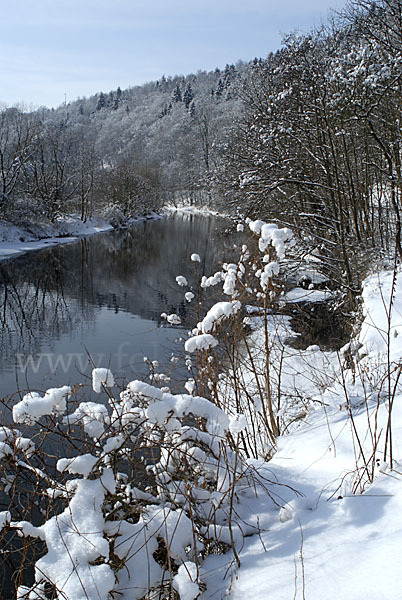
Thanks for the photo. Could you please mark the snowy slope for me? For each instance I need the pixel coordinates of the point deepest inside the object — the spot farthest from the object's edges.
(326, 541)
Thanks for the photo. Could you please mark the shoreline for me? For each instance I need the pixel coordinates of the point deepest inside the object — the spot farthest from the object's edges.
(16, 241)
(189, 209)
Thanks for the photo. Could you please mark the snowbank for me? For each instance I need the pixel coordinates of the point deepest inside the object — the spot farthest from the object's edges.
(16, 240)
(67, 229)
(336, 531)
(188, 209)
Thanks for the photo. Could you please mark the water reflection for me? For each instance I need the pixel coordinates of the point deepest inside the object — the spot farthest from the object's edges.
(101, 298)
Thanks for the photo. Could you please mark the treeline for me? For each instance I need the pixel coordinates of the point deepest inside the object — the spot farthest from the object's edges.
(319, 143)
(124, 152)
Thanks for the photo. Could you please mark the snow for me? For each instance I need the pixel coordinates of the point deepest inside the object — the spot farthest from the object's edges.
(195, 257)
(112, 444)
(5, 518)
(81, 465)
(68, 229)
(382, 296)
(185, 581)
(212, 280)
(270, 234)
(301, 295)
(27, 529)
(190, 209)
(181, 280)
(101, 377)
(173, 319)
(229, 279)
(11, 441)
(70, 555)
(136, 542)
(200, 342)
(269, 271)
(255, 226)
(181, 405)
(5, 450)
(350, 543)
(220, 310)
(237, 423)
(92, 415)
(33, 405)
(189, 296)
(334, 534)
(190, 385)
(145, 390)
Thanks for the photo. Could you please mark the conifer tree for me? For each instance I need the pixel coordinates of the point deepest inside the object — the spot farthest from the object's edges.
(101, 101)
(176, 96)
(188, 95)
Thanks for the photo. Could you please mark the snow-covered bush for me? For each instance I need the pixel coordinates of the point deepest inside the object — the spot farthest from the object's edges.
(145, 482)
(226, 368)
(140, 495)
(113, 214)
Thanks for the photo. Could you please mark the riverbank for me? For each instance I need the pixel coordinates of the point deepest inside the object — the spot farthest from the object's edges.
(16, 240)
(68, 229)
(329, 522)
(191, 209)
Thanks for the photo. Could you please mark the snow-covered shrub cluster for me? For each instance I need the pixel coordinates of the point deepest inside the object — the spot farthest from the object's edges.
(141, 501)
(252, 279)
(146, 482)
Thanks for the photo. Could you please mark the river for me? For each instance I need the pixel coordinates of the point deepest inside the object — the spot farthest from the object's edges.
(97, 302)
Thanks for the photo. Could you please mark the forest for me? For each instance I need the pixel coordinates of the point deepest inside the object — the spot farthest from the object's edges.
(121, 153)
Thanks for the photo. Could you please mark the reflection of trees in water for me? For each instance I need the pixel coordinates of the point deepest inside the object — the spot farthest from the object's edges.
(135, 269)
(33, 306)
(54, 292)
(140, 265)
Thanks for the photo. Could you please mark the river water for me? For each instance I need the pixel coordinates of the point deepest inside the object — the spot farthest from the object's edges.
(97, 302)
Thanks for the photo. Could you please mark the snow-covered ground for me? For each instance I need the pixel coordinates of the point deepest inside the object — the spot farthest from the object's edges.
(189, 209)
(331, 532)
(16, 240)
(67, 229)
(301, 295)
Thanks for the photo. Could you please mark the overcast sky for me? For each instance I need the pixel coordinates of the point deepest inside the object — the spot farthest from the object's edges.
(53, 48)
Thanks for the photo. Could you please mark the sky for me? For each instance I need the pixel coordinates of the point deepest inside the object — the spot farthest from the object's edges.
(57, 50)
